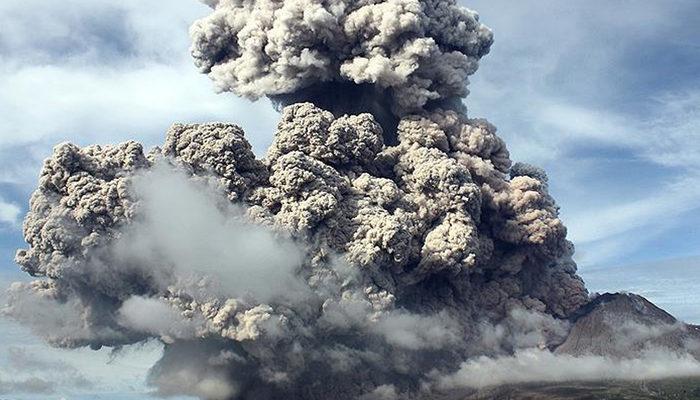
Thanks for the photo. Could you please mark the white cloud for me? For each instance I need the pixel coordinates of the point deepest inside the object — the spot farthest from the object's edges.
(100, 71)
(156, 317)
(533, 365)
(186, 224)
(670, 200)
(9, 212)
(553, 82)
(610, 221)
(670, 136)
(99, 104)
(77, 372)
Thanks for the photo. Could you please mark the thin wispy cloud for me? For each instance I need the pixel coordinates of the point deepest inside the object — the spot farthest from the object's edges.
(670, 200)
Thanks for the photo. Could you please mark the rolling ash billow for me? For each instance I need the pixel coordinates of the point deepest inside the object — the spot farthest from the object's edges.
(386, 246)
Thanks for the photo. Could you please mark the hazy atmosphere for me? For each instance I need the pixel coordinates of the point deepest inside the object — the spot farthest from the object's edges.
(604, 96)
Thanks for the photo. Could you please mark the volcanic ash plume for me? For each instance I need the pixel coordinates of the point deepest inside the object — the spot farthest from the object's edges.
(389, 58)
(356, 260)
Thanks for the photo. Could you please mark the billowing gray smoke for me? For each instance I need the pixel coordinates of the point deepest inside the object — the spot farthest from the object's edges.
(418, 51)
(389, 58)
(355, 260)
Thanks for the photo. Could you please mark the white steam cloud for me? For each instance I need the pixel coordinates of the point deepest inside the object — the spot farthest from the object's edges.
(192, 228)
(535, 365)
(155, 317)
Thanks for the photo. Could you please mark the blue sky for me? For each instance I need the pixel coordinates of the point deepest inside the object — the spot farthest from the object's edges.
(604, 95)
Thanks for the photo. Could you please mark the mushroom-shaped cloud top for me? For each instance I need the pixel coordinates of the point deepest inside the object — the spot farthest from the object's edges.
(415, 52)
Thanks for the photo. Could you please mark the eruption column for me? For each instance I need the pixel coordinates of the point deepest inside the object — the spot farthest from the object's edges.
(394, 229)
